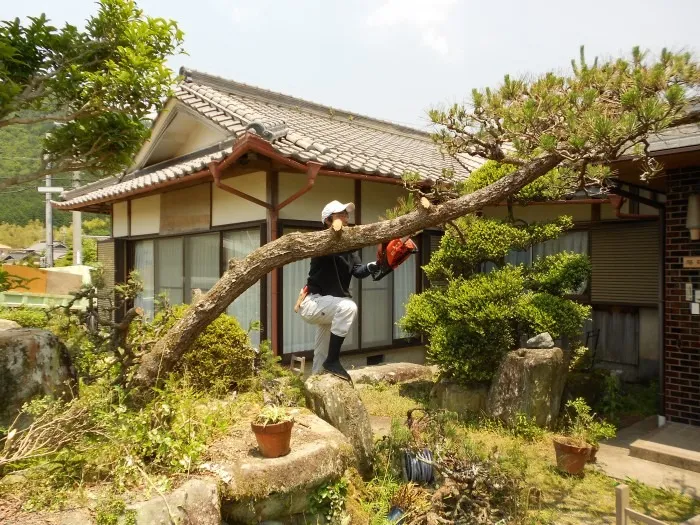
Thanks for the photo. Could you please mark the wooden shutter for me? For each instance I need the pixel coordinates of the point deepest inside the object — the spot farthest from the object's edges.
(625, 259)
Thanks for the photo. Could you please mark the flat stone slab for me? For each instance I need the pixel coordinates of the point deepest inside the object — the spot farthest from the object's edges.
(256, 488)
(196, 502)
(673, 444)
(615, 460)
(391, 373)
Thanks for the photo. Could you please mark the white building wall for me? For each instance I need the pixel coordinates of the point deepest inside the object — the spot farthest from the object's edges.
(200, 137)
(120, 219)
(230, 209)
(145, 215)
(377, 198)
(308, 207)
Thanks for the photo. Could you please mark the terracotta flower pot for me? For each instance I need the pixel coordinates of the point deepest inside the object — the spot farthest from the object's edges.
(571, 456)
(594, 451)
(273, 440)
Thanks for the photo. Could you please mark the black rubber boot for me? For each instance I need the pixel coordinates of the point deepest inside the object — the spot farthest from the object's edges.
(332, 362)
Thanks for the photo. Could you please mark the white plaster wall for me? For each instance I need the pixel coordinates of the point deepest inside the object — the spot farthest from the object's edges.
(377, 198)
(308, 207)
(145, 215)
(231, 209)
(200, 137)
(120, 219)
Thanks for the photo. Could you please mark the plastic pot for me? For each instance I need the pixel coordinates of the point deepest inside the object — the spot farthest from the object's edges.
(273, 440)
(571, 455)
(395, 515)
(415, 470)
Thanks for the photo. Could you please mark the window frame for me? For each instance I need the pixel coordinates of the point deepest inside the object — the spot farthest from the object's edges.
(220, 230)
(395, 343)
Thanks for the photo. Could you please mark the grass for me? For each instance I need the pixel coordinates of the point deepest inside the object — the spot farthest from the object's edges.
(549, 497)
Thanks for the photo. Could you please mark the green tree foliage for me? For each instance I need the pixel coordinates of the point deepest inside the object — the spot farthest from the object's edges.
(98, 225)
(581, 120)
(471, 318)
(551, 186)
(100, 83)
(89, 254)
(18, 236)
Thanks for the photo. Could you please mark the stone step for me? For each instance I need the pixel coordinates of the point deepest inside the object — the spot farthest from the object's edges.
(391, 373)
(673, 444)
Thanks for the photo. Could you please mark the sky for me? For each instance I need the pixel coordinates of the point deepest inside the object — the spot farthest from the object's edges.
(396, 59)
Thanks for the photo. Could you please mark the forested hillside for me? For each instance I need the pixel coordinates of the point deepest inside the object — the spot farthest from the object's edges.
(20, 150)
(22, 207)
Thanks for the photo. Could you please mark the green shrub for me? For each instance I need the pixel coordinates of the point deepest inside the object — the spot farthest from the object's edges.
(25, 316)
(472, 319)
(221, 357)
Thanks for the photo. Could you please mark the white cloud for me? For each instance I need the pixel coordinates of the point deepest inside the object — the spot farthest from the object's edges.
(236, 11)
(428, 17)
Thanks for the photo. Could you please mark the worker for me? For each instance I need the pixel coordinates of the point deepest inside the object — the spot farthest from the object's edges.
(326, 301)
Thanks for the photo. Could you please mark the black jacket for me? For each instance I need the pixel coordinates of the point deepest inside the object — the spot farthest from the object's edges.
(331, 274)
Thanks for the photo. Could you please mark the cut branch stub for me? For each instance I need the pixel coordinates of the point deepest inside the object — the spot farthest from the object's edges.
(337, 225)
(425, 203)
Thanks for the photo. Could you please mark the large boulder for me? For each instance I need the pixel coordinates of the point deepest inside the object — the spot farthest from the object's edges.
(531, 382)
(194, 503)
(455, 397)
(6, 324)
(254, 488)
(33, 363)
(337, 402)
(391, 373)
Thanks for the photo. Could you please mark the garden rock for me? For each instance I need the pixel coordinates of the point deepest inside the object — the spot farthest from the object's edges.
(33, 363)
(194, 503)
(390, 373)
(543, 340)
(6, 324)
(337, 402)
(530, 382)
(463, 399)
(255, 489)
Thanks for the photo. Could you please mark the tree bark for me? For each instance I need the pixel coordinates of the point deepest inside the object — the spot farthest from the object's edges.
(244, 273)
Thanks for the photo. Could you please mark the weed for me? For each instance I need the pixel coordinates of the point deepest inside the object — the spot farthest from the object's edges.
(526, 427)
(112, 511)
(329, 501)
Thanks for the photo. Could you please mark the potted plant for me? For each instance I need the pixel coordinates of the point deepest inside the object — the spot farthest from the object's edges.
(574, 448)
(273, 431)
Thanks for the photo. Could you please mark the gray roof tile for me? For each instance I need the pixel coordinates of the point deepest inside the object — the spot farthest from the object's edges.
(298, 129)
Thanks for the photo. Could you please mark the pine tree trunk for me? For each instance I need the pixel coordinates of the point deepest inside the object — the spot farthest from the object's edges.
(244, 273)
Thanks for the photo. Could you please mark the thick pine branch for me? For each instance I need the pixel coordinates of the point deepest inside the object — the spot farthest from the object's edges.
(244, 273)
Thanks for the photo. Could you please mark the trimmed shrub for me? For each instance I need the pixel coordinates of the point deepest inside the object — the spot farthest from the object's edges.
(472, 319)
(221, 357)
(25, 316)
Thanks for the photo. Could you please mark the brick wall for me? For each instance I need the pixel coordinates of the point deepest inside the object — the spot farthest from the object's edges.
(682, 330)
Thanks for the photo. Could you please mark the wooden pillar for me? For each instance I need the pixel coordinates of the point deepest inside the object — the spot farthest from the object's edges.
(273, 278)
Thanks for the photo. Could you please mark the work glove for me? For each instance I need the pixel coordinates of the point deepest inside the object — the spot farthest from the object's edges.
(373, 267)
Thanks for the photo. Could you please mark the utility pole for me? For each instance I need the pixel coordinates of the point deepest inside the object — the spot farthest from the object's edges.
(48, 190)
(77, 228)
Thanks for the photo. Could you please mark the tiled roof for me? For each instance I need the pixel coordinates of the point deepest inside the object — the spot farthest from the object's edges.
(298, 129)
(306, 131)
(153, 176)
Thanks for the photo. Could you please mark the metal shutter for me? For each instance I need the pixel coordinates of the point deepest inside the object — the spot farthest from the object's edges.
(625, 259)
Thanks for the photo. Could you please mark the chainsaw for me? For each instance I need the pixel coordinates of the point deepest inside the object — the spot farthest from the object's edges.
(391, 255)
